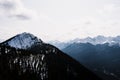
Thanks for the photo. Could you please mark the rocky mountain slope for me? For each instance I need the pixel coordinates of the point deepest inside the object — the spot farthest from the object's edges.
(23, 41)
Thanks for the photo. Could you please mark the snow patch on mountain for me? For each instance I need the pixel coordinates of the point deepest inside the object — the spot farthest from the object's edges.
(23, 41)
(1, 40)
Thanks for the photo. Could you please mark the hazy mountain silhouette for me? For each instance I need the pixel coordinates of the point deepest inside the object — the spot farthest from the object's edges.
(101, 58)
(95, 40)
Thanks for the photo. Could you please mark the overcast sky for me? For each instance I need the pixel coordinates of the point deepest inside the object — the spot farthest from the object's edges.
(60, 19)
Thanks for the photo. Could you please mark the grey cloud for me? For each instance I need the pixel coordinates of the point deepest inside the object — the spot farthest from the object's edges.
(7, 5)
(21, 17)
(15, 9)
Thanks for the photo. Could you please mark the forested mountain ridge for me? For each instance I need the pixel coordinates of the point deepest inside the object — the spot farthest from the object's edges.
(40, 62)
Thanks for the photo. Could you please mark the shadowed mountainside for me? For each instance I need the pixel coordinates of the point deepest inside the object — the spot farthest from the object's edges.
(44, 62)
(102, 59)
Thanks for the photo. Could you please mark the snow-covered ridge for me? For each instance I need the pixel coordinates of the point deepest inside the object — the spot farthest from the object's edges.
(95, 40)
(23, 41)
(98, 40)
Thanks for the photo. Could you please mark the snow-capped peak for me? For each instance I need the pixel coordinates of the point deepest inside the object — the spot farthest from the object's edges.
(23, 41)
(98, 40)
(92, 40)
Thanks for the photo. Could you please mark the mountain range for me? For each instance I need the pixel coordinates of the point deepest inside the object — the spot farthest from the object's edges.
(78, 59)
(95, 40)
(101, 58)
(26, 57)
(100, 54)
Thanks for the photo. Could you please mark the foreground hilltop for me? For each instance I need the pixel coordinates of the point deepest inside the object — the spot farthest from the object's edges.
(33, 59)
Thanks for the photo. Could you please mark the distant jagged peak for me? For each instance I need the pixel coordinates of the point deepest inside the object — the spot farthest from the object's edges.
(23, 41)
(98, 40)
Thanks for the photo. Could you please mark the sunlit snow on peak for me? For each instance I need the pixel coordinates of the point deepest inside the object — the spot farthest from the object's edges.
(23, 41)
